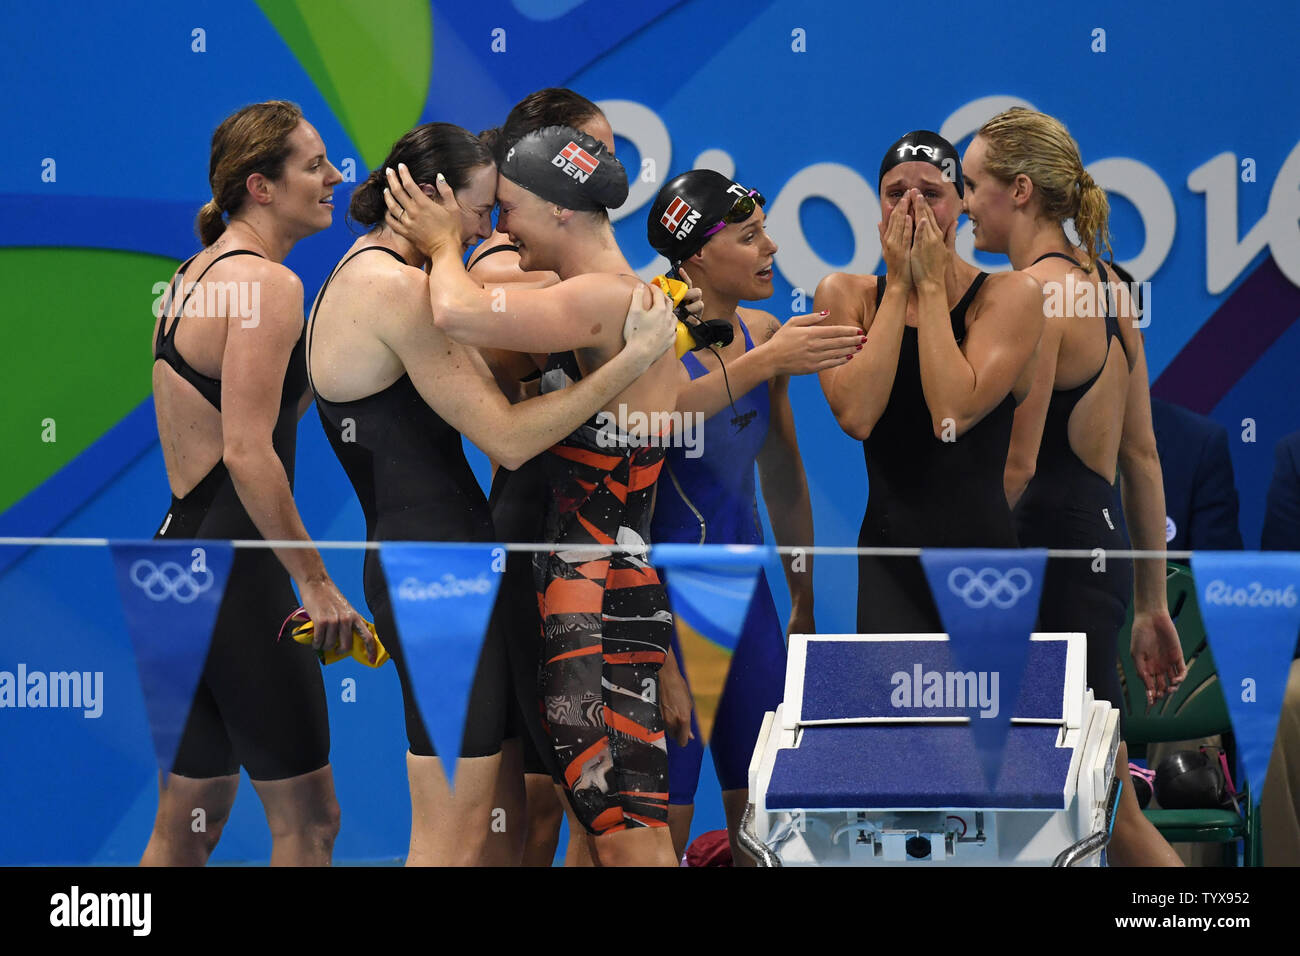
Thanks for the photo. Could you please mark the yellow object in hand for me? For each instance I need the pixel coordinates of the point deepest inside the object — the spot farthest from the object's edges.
(305, 633)
(675, 289)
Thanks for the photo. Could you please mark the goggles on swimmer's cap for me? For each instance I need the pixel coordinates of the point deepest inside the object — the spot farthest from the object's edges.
(740, 210)
(566, 167)
(692, 208)
(923, 146)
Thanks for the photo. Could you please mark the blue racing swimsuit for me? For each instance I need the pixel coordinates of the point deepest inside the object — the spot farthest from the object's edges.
(710, 500)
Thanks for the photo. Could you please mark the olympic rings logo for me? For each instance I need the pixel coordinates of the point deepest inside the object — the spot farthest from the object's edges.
(169, 580)
(989, 586)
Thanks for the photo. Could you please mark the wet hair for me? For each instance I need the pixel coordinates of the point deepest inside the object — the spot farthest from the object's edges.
(427, 151)
(553, 106)
(251, 140)
(1024, 141)
(489, 137)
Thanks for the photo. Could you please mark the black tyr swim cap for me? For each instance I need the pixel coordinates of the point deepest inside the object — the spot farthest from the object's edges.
(567, 167)
(923, 146)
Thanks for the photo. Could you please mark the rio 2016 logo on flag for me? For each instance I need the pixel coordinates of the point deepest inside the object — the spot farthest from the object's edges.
(442, 597)
(449, 586)
(1253, 594)
(1251, 612)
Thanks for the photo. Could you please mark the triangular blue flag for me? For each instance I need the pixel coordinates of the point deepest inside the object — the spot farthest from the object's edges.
(710, 586)
(1250, 603)
(442, 596)
(171, 591)
(988, 602)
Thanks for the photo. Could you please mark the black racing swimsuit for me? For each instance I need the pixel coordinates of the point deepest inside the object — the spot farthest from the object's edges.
(518, 500)
(1068, 505)
(408, 468)
(925, 492)
(260, 702)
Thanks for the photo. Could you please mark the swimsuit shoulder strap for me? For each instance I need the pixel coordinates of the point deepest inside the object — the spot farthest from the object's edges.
(193, 286)
(1056, 255)
(1112, 320)
(503, 247)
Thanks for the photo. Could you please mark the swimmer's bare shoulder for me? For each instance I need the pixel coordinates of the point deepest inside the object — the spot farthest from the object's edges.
(599, 301)
(849, 298)
(279, 292)
(396, 296)
(762, 325)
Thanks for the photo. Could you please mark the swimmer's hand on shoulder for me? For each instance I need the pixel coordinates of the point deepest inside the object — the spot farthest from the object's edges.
(427, 222)
(650, 327)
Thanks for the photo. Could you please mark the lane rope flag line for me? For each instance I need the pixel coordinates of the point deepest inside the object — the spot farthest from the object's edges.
(815, 549)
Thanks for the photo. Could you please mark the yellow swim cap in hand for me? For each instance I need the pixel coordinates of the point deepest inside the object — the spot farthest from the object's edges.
(675, 289)
(697, 335)
(305, 633)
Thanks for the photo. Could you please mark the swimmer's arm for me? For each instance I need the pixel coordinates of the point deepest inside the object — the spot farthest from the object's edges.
(1157, 652)
(512, 434)
(800, 346)
(676, 701)
(501, 270)
(858, 391)
(582, 312)
(508, 368)
(1031, 415)
(456, 383)
(1142, 487)
(707, 394)
(252, 376)
(960, 388)
(785, 489)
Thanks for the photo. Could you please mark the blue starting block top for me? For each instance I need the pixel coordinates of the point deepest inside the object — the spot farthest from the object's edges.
(916, 767)
(917, 679)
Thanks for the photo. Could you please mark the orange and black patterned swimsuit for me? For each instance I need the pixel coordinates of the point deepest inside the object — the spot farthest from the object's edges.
(606, 624)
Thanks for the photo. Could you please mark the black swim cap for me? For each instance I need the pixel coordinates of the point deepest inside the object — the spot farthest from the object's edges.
(568, 168)
(687, 208)
(923, 146)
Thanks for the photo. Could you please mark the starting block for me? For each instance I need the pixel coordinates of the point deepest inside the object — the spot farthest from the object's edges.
(859, 767)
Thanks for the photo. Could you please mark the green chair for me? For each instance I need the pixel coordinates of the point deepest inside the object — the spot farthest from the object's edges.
(1197, 709)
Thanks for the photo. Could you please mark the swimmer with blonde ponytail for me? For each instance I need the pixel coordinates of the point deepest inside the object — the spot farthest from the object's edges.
(1087, 416)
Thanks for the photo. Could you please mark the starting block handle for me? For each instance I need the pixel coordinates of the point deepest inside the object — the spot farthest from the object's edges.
(1094, 842)
(760, 852)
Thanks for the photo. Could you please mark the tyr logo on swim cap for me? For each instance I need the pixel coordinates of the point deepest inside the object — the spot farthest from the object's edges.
(688, 208)
(567, 167)
(923, 146)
